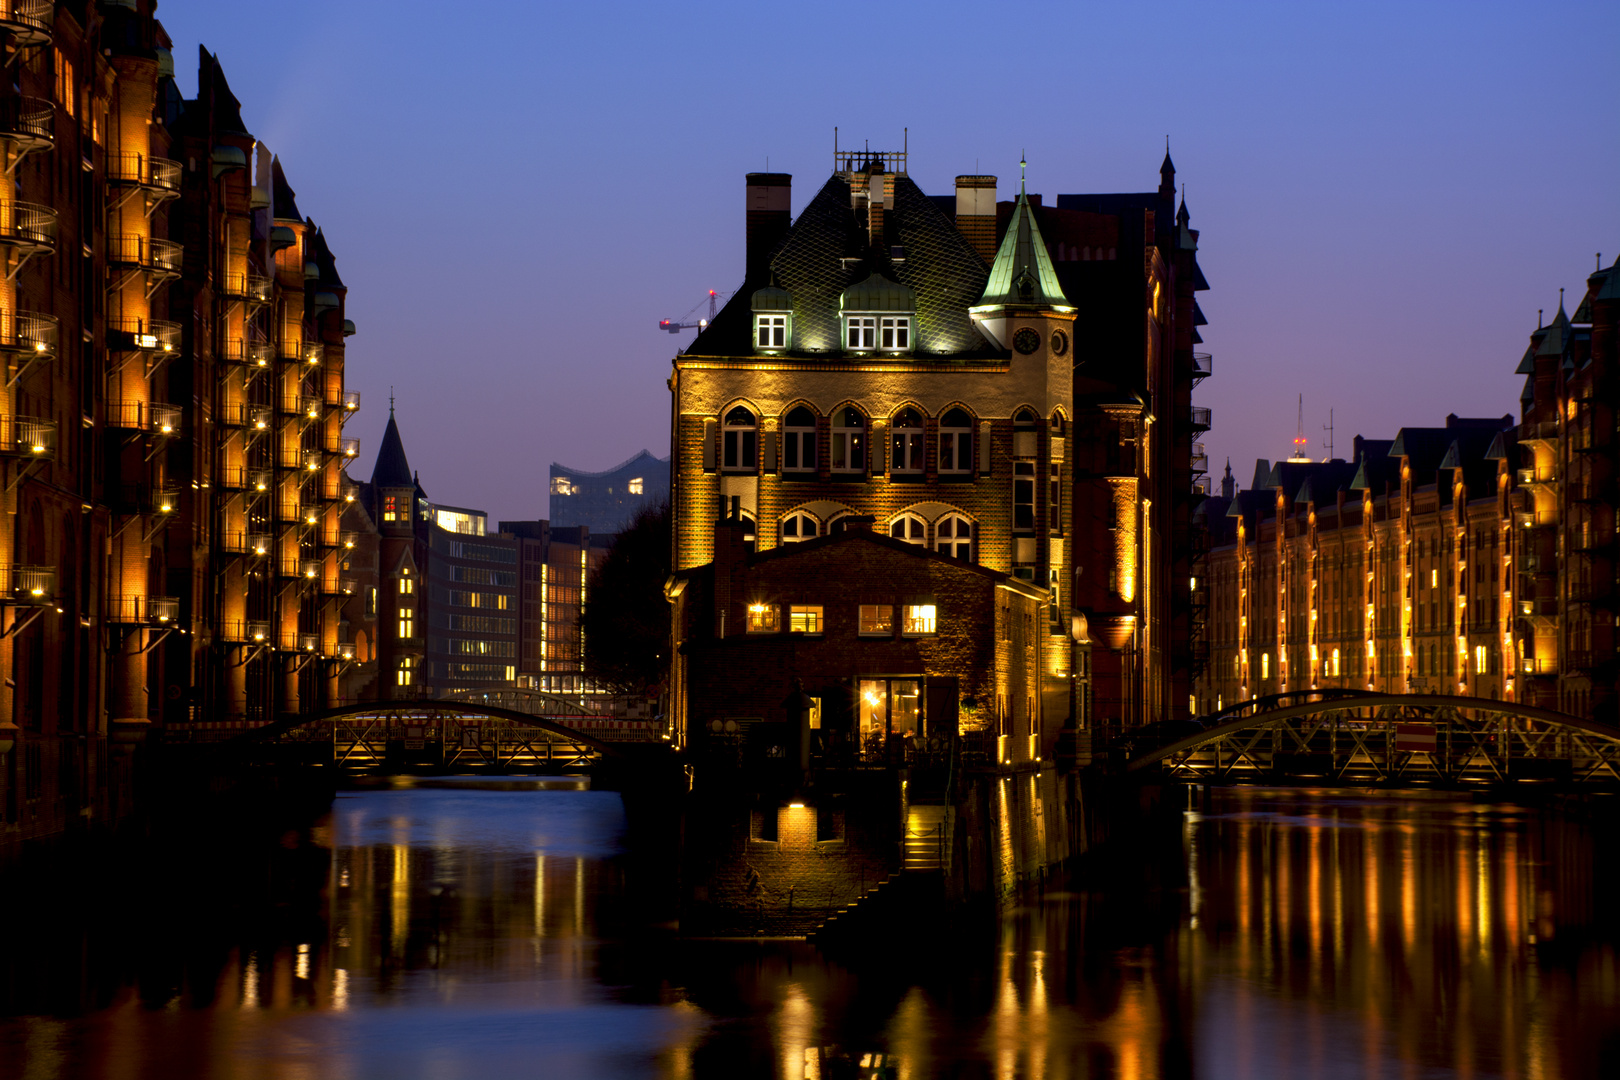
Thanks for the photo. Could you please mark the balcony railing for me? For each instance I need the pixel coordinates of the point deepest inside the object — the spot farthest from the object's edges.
(1539, 607)
(309, 643)
(141, 610)
(247, 285)
(351, 402)
(291, 351)
(26, 225)
(1544, 475)
(28, 22)
(259, 545)
(1542, 431)
(314, 352)
(1198, 417)
(28, 437)
(29, 584)
(251, 353)
(233, 542)
(29, 121)
(159, 175)
(28, 332)
(155, 256)
(154, 417)
(348, 540)
(152, 335)
(1200, 460)
(1539, 665)
(260, 481)
(1203, 366)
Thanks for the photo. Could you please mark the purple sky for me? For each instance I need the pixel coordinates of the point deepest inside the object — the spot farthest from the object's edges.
(517, 192)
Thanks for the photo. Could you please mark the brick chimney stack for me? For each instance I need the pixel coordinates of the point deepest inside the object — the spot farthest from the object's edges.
(770, 212)
(976, 213)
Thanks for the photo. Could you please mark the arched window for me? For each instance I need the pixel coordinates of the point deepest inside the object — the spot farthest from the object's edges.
(956, 442)
(800, 526)
(799, 441)
(953, 536)
(908, 442)
(741, 440)
(1025, 417)
(1056, 424)
(849, 441)
(910, 528)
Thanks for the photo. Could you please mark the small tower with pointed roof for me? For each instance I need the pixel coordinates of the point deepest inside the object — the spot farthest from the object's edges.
(1023, 307)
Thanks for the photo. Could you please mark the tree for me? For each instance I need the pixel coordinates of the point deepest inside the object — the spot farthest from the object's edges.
(626, 618)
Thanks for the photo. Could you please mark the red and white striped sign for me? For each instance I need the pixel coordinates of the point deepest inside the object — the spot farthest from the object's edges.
(1415, 738)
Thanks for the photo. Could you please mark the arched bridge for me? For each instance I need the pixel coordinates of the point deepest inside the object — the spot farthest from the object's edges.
(1360, 737)
(433, 734)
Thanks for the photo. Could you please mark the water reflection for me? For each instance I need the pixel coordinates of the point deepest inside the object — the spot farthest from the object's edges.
(460, 929)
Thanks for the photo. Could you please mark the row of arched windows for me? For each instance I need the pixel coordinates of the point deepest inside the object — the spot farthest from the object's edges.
(953, 533)
(849, 435)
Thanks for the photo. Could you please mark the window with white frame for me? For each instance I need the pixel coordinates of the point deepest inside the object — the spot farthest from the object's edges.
(770, 331)
(918, 619)
(956, 442)
(799, 441)
(908, 442)
(953, 536)
(910, 528)
(860, 332)
(849, 441)
(741, 438)
(895, 332)
(801, 526)
(876, 620)
(1023, 495)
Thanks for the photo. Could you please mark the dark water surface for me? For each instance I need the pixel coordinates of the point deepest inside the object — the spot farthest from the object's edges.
(468, 930)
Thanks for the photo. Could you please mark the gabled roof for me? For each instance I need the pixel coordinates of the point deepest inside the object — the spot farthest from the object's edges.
(1375, 467)
(1323, 480)
(1022, 271)
(392, 468)
(1556, 337)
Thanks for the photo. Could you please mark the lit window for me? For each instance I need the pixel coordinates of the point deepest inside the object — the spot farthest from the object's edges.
(910, 528)
(407, 587)
(861, 332)
(390, 508)
(1265, 665)
(770, 331)
(1023, 495)
(561, 485)
(804, 619)
(406, 673)
(877, 619)
(919, 619)
(1481, 658)
(1054, 499)
(406, 624)
(741, 440)
(762, 619)
(849, 441)
(953, 536)
(799, 441)
(796, 527)
(637, 485)
(908, 442)
(896, 332)
(956, 442)
(1335, 663)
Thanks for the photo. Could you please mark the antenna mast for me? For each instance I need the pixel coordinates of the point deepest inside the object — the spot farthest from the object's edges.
(1300, 442)
(1329, 430)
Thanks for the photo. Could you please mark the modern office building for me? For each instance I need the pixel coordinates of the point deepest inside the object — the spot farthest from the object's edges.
(605, 502)
(1477, 558)
(460, 608)
(1004, 383)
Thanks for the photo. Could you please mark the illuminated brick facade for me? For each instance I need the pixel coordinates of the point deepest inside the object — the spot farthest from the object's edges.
(1009, 383)
(1477, 558)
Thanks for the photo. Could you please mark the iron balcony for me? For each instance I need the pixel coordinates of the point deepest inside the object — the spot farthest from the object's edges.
(28, 437)
(162, 258)
(29, 584)
(159, 177)
(28, 227)
(142, 610)
(27, 22)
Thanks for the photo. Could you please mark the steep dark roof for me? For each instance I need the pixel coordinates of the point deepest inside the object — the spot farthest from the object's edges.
(327, 263)
(227, 110)
(392, 468)
(1374, 467)
(827, 250)
(286, 198)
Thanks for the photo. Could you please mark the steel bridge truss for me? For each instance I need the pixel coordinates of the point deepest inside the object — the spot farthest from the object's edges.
(1392, 739)
(447, 734)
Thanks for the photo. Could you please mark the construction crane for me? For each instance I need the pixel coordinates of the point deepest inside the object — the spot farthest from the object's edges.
(675, 326)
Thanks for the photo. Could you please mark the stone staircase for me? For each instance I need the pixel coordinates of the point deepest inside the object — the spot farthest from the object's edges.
(927, 844)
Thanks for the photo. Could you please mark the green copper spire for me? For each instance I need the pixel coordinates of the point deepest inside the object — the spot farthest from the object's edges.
(1022, 273)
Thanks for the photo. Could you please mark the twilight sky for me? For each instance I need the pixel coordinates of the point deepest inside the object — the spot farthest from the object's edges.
(517, 192)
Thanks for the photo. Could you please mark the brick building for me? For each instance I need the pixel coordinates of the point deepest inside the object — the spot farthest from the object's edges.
(891, 640)
(1476, 558)
(172, 424)
(1006, 383)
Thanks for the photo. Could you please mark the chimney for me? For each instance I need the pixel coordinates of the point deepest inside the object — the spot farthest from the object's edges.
(976, 213)
(770, 212)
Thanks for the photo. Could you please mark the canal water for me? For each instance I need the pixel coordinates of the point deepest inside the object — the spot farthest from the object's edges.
(473, 930)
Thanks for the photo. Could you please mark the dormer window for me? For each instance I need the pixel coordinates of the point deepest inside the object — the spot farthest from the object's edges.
(896, 334)
(773, 319)
(770, 331)
(860, 333)
(877, 316)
